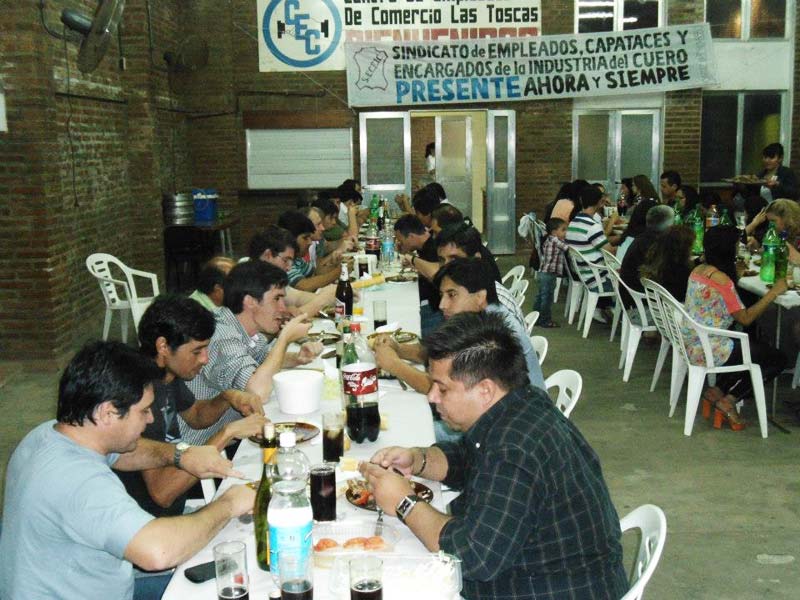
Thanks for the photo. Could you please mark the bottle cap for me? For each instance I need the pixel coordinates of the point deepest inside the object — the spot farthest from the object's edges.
(355, 327)
(288, 439)
(269, 431)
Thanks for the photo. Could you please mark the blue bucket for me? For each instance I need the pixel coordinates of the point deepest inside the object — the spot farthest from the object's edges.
(205, 205)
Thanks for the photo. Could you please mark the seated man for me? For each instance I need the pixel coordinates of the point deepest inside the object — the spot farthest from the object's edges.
(323, 256)
(302, 274)
(412, 236)
(209, 282)
(445, 215)
(658, 220)
(239, 356)
(70, 530)
(276, 246)
(425, 201)
(330, 211)
(174, 332)
(534, 518)
(466, 285)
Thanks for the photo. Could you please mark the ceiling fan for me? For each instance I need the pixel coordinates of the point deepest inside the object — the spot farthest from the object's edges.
(95, 33)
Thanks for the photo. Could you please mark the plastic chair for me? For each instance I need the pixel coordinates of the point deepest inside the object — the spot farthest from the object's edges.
(540, 346)
(651, 521)
(530, 320)
(590, 276)
(614, 264)
(657, 317)
(515, 274)
(635, 321)
(99, 265)
(796, 376)
(678, 321)
(569, 384)
(518, 290)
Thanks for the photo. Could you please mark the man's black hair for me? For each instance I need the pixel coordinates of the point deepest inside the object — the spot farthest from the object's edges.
(296, 223)
(447, 214)
(178, 319)
(430, 149)
(464, 236)
(672, 177)
(774, 150)
(589, 196)
(408, 224)
(347, 193)
(474, 274)
(327, 206)
(437, 189)
(253, 278)
(273, 238)
(481, 346)
(425, 201)
(103, 372)
(210, 276)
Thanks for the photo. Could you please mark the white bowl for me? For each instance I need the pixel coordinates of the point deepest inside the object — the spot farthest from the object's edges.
(298, 390)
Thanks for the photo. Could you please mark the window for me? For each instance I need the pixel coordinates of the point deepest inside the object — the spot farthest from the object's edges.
(746, 19)
(593, 16)
(735, 129)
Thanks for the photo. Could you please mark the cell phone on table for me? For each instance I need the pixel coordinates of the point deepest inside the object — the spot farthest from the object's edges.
(200, 573)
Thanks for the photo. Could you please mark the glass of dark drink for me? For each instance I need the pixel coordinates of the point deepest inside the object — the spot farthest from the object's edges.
(295, 569)
(332, 436)
(363, 421)
(366, 578)
(323, 492)
(378, 313)
(230, 567)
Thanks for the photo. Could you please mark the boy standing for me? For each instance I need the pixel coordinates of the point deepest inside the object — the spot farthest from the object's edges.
(553, 263)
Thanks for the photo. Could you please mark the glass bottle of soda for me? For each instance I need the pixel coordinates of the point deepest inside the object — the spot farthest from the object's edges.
(360, 388)
(781, 257)
(372, 240)
(263, 497)
(770, 243)
(344, 296)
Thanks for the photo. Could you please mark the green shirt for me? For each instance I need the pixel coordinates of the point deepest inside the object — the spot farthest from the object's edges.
(204, 300)
(335, 233)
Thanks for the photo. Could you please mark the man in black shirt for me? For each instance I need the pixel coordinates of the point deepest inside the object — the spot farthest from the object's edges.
(658, 220)
(175, 332)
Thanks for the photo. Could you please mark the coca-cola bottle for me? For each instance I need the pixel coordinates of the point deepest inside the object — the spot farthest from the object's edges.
(344, 296)
(360, 388)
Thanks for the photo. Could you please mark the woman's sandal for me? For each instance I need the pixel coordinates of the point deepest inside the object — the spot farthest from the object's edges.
(727, 414)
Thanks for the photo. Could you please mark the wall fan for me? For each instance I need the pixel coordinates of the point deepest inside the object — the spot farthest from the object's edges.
(96, 33)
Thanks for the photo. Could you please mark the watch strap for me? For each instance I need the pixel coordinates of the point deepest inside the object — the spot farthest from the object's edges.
(405, 506)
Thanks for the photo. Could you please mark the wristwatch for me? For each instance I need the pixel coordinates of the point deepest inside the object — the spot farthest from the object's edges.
(180, 448)
(405, 506)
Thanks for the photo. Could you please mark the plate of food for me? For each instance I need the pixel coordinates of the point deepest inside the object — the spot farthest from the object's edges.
(745, 179)
(358, 493)
(401, 278)
(302, 431)
(328, 338)
(334, 538)
(399, 336)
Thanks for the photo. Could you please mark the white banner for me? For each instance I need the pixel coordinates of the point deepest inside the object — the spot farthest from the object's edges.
(309, 35)
(558, 66)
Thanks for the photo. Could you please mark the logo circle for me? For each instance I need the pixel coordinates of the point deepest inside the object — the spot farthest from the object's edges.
(293, 62)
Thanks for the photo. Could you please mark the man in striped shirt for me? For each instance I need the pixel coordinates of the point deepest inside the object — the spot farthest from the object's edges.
(588, 236)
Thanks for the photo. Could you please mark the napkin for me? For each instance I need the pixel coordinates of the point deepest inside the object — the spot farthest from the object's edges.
(388, 328)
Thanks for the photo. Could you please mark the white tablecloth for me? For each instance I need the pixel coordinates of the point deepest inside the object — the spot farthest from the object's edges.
(409, 424)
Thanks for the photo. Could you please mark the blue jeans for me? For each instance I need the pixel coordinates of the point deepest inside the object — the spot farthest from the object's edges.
(544, 296)
(429, 319)
(150, 586)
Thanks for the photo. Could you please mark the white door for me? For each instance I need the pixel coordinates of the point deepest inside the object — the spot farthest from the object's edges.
(454, 159)
(501, 196)
(610, 144)
(385, 144)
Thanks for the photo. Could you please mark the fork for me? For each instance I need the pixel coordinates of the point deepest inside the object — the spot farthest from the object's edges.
(379, 522)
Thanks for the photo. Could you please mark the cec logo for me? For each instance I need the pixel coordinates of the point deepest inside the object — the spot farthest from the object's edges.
(302, 33)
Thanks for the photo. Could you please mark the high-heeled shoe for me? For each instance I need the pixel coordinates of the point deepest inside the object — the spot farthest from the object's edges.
(727, 415)
(707, 406)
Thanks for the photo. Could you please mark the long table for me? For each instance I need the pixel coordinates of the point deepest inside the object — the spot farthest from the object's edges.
(409, 424)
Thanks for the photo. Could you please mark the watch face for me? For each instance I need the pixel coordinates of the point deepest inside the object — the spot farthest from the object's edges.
(182, 446)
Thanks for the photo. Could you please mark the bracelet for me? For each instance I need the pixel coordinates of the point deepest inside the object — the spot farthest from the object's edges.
(424, 462)
(413, 258)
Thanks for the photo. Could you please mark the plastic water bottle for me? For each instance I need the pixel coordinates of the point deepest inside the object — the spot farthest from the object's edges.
(290, 522)
(782, 257)
(290, 463)
(768, 258)
(712, 217)
(387, 248)
(696, 221)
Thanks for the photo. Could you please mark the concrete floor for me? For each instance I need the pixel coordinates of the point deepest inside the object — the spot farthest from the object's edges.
(732, 500)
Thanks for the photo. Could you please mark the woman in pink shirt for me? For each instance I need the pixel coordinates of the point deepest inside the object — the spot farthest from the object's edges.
(711, 299)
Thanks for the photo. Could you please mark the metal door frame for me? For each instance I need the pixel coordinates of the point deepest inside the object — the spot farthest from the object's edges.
(468, 154)
(362, 140)
(511, 183)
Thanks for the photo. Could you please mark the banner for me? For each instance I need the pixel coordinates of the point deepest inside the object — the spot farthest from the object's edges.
(501, 70)
(309, 35)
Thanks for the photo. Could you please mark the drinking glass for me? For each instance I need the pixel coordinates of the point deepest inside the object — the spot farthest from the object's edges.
(366, 578)
(332, 436)
(296, 575)
(323, 492)
(230, 566)
(378, 313)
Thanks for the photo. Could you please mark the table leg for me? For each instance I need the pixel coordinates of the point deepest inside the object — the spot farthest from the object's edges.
(777, 347)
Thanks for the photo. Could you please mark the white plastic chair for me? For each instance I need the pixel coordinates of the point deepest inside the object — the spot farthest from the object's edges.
(614, 264)
(100, 265)
(518, 290)
(635, 321)
(537, 235)
(677, 320)
(651, 521)
(540, 346)
(530, 320)
(515, 274)
(591, 280)
(656, 314)
(569, 384)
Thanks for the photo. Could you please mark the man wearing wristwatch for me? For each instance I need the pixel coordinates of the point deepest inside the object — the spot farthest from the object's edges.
(534, 518)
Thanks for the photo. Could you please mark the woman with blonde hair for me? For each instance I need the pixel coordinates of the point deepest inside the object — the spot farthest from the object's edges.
(785, 214)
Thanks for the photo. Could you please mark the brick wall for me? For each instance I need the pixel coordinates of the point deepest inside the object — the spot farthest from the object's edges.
(77, 174)
(795, 155)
